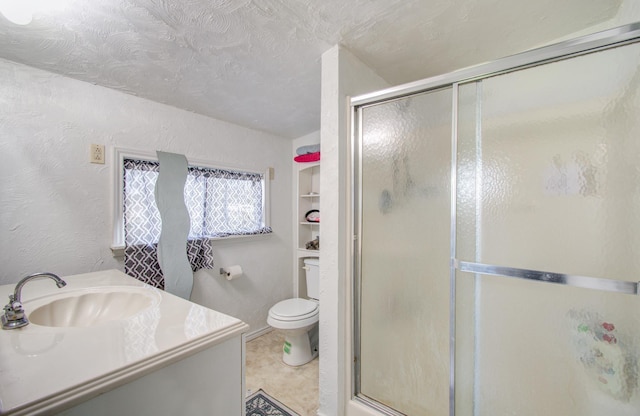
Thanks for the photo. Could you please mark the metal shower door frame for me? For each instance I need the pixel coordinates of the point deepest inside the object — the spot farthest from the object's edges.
(564, 50)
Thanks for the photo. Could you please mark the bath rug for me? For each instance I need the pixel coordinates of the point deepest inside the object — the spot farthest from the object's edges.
(261, 404)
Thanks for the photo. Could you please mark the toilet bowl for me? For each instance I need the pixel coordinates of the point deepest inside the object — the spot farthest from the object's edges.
(298, 319)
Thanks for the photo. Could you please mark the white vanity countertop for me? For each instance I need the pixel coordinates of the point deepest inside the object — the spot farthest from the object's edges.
(46, 369)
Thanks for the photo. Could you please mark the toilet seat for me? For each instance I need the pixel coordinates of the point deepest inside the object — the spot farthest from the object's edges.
(294, 309)
(293, 313)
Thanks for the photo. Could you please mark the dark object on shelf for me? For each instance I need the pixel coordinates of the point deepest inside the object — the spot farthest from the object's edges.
(314, 244)
(312, 215)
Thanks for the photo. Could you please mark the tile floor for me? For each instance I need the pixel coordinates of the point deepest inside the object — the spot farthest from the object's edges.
(295, 387)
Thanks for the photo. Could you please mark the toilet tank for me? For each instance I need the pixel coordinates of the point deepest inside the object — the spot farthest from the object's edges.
(312, 271)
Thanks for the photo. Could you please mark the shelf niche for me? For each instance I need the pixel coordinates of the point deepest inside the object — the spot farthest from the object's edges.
(308, 199)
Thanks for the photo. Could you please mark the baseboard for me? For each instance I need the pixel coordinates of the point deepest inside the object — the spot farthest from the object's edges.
(257, 333)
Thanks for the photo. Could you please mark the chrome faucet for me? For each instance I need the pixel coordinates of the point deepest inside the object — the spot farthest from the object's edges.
(14, 316)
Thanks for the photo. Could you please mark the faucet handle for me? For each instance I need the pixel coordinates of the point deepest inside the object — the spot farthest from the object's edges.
(13, 310)
(14, 316)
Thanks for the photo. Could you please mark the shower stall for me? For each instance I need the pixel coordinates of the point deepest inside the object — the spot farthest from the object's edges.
(497, 236)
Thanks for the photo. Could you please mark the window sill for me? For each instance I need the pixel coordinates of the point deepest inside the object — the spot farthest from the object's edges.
(117, 252)
(241, 238)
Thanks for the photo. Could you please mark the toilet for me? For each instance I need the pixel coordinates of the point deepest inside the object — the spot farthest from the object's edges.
(298, 318)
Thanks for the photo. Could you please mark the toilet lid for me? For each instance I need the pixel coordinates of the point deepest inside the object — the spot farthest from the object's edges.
(294, 308)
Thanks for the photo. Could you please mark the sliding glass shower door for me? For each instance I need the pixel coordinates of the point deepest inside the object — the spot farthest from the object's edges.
(549, 192)
(406, 155)
(498, 241)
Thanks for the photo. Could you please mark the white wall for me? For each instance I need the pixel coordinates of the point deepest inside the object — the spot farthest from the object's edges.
(311, 138)
(343, 75)
(55, 206)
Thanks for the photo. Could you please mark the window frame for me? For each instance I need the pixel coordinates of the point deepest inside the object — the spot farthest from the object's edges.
(120, 154)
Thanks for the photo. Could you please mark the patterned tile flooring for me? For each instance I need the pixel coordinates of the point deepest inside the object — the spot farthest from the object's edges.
(295, 387)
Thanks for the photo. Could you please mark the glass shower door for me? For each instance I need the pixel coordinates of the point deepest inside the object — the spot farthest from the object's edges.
(541, 283)
(548, 236)
(405, 182)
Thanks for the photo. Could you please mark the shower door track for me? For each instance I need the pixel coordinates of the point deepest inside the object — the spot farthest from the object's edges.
(586, 282)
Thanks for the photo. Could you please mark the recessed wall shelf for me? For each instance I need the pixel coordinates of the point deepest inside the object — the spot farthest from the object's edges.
(308, 191)
(309, 199)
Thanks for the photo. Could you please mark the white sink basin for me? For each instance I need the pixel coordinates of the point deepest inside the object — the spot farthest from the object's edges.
(90, 307)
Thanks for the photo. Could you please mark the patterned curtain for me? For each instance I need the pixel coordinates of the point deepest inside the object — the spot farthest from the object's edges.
(220, 203)
(223, 203)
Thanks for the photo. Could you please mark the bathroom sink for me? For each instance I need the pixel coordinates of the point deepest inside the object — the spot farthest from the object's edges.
(90, 307)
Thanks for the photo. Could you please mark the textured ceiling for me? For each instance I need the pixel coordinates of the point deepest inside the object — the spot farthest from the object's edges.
(257, 62)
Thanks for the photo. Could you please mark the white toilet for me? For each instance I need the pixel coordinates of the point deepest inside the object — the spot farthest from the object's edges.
(298, 320)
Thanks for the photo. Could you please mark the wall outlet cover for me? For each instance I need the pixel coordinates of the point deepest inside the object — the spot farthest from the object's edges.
(97, 153)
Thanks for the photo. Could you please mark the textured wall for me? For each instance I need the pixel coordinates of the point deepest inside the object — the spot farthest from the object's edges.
(55, 206)
(343, 75)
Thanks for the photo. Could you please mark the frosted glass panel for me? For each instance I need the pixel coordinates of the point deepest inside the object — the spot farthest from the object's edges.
(544, 349)
(406, 159)
(548, 179)
(548, 164)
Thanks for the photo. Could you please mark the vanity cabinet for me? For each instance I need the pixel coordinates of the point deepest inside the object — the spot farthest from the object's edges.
(206, 383)
(168, 357)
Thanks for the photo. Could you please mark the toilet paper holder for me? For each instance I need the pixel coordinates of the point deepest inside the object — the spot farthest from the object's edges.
(231, 272)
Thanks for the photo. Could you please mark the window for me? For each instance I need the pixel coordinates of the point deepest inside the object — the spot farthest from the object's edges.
(221, 202)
